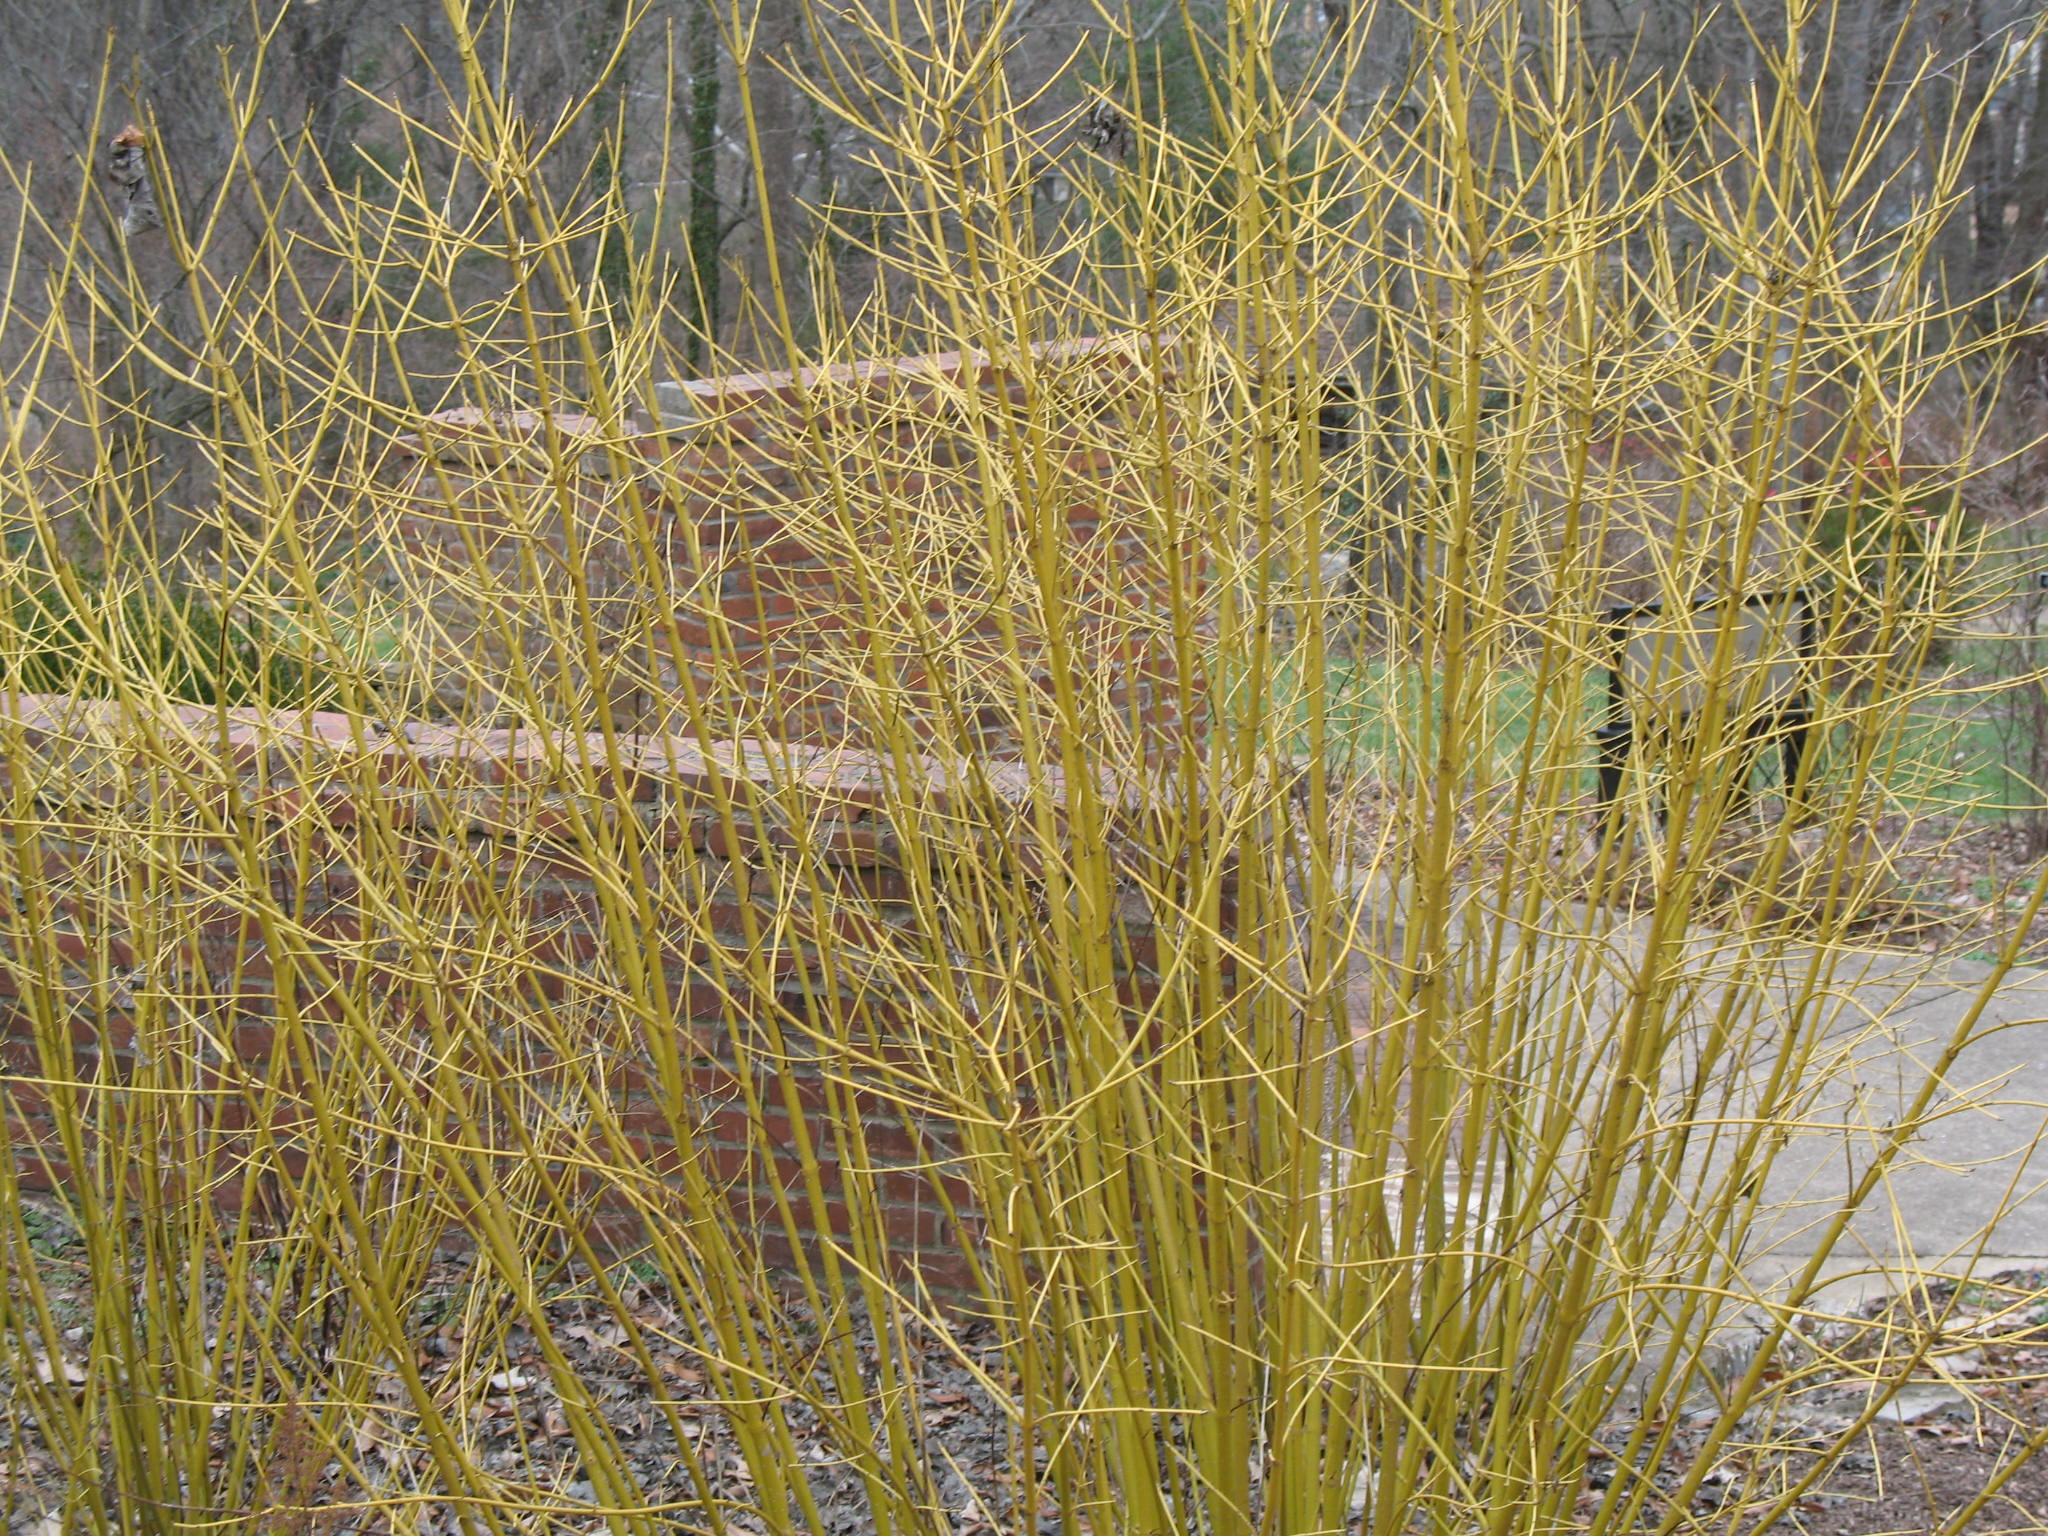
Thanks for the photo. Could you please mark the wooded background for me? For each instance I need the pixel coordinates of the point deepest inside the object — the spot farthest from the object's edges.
(665, 121)
(679, 132)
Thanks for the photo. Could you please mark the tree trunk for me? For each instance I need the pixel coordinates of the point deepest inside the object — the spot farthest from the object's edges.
(775, 269)
(2028, 192)
(701, 152)
(319, 52)
(610, 256)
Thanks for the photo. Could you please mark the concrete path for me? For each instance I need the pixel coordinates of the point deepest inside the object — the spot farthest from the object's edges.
(1972, 1196)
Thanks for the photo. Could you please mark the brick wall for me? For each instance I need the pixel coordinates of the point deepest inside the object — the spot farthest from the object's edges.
(787, 535)
(219, 913)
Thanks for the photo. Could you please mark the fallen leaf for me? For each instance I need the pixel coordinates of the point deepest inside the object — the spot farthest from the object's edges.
(46, 1373)
(611, 1337)
(373, 1434)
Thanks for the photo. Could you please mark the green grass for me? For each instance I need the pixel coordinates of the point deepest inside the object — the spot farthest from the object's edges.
(1961, 746)
(1953, 762)
(1943, 761)
(1380, 713)
(184, 642)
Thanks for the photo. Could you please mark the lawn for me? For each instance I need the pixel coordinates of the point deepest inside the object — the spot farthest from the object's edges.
(1948, 758)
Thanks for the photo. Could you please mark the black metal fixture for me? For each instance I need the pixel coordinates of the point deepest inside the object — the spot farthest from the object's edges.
(1658, 680)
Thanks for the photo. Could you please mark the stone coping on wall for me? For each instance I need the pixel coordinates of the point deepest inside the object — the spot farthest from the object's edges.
(745, 402)
(77, 741)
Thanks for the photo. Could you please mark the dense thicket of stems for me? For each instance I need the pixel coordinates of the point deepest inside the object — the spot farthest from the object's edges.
(1448, 1139)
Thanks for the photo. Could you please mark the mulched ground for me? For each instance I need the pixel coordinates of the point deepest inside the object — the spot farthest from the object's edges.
(1936, 884)
(1975, 1406)
(1980, 1394)
(496, 1383)
(1981, 1402)
(1908, 1480)
(1957, 887)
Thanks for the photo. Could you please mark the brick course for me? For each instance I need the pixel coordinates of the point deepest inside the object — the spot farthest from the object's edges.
(754, 549)
(211, 903)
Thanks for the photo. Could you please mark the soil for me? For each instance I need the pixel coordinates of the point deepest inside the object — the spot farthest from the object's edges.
(1906, 1480)
(1980, 1391)
(1958, 886)
(1974, 1410)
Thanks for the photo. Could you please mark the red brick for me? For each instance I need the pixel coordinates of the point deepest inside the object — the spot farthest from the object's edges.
(93, 950)
(254, 1041)
(915, 1188)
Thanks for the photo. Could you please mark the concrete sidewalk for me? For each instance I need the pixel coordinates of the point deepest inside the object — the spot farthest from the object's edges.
(1971, 1194)
(1968, 1195)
